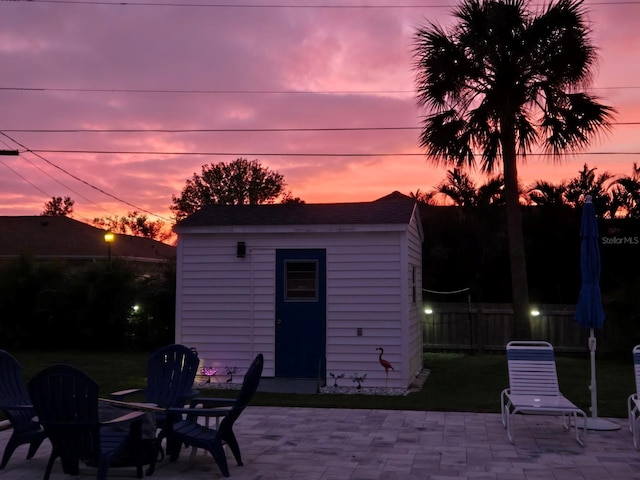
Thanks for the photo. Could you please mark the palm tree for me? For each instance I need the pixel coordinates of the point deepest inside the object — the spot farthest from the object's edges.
(547, 193)
(424, 197)
(459, 188)
(625, 192)
(503, 80)
(491, 192)
(588, 183)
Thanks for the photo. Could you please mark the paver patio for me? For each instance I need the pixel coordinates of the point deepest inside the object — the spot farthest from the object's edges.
(347, 444)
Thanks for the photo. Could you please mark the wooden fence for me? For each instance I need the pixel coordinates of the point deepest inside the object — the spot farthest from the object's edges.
(487, 327)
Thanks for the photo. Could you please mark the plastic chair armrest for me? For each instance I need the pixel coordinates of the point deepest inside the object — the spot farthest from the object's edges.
(201, 412)
(124, 393)
(9, 406)
(210, 402)
(124, 418)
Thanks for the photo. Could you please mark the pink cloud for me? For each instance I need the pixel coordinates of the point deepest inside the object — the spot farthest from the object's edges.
(111, 47)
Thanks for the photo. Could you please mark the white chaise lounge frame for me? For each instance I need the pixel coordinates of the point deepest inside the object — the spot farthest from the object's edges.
(633, 401)
(533, 387)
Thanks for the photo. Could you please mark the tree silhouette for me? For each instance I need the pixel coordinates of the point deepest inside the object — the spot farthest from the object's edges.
(240, 182)
(136, 224)
(503, 80)
(588, 183)
(542, 192)
(58, 207)
(626, 193)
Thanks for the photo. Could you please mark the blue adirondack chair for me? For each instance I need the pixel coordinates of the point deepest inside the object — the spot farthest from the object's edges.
(66, 402)
(191, 433)
(16, 406)
(171, 372)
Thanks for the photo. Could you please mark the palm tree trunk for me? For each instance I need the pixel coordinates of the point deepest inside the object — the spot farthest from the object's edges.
(521, 328)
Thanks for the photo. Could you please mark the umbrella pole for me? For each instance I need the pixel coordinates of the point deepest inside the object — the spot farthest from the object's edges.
(593, 386)
(593, 422)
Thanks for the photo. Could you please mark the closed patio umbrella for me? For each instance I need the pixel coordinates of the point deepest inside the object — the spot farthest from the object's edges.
(589, 311)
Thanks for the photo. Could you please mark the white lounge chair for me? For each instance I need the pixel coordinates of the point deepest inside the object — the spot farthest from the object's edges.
(533, 387)
(634, 401)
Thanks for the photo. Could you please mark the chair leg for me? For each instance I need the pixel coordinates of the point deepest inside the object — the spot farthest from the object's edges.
(173, 448)
(47, 472)
(503, 409)
(159, 452)
(70, 465)
(230, 440)
(8, 451)
(217, 452)
(103, 467)
(584, 428)
(34, 446)
(508, 426)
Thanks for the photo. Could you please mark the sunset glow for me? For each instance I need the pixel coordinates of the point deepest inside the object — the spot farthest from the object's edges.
(200, 82)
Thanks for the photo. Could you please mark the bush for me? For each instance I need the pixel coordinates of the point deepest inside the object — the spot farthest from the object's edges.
(64, 305)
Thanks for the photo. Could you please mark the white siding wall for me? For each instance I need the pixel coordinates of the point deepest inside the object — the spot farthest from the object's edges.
(364, 292)
(226, 305)
(414, 324)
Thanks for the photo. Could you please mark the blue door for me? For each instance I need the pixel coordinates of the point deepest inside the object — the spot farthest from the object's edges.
(300, 313)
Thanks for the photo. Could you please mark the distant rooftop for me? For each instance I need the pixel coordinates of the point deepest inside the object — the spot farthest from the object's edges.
(64, 237)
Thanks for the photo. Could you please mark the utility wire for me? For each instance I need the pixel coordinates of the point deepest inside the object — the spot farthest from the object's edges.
(301, 154)
(64, 185)
(225, 5)
(242, 92)
(201, 92)
(224, 130)
(270, 5)
(75, 177)
(52, 178)
(26, 180)
(205, 130)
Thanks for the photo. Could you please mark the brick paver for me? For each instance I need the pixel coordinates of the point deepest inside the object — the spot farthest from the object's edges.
(345, 444)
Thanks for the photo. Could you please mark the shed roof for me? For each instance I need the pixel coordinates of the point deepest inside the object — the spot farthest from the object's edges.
(394, 208)
(60, 236)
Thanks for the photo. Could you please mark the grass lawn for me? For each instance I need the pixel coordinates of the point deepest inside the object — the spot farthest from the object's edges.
(457, 382)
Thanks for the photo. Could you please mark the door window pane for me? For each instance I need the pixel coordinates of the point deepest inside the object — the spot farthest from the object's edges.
(301, 280)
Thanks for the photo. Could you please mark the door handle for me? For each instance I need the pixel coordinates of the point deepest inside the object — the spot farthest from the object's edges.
(278, 321)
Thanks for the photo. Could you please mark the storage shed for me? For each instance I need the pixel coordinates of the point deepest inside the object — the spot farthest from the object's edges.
(316, 288)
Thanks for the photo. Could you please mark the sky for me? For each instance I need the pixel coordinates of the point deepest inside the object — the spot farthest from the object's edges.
(117, 104)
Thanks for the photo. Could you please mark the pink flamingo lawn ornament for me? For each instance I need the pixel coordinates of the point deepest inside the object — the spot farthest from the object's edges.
(385, 364)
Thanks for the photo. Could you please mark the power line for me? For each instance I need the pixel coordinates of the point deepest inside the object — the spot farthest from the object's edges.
(264, 6)
(201, 92)
(29, 182)
(226, 5)
(289, 154)
(26, 180)
(52, 178)
(75, 177)
(64, 185)
(225, 130)
(242, 92)
(204, 130)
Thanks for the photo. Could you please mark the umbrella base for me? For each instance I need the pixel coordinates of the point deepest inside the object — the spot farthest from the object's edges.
(596, 423)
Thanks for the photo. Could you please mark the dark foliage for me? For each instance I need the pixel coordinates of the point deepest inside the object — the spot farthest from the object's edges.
(60, 305)
(467, 247)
